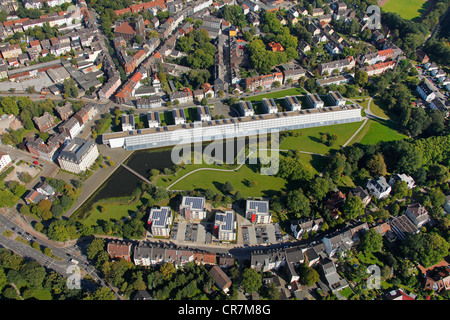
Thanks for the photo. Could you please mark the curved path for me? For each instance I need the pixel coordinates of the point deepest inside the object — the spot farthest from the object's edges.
(235, 169)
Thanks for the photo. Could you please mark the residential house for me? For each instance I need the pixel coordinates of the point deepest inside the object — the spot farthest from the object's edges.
(425, 92)
(258, 211)
(193, 208)
(333, 280)
(361, 193)
(205, 258)
(337, 66)
(402, 227)
(64, 111)
(225, 225)
(71, 127)
(417, 214)
(402, 177)
(379, 187)
(221, 280)
(267, 260)
(159, 221)
(44, 122)
(119, 249)
(301, 227)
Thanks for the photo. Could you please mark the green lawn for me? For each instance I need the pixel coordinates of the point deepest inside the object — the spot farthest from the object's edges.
(207, 179)
(113, 211)
(310, 138)
(277, 94)
(379, 110)
(407, 9)
(378, 130)
(166, 117)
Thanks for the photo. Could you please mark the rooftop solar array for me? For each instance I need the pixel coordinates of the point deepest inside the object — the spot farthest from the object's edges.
(194, 202)
(226, 220)
(258, 206)
(159, 216)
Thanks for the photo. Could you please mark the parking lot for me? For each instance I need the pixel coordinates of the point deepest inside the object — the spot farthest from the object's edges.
(201, 233)
(261, 234)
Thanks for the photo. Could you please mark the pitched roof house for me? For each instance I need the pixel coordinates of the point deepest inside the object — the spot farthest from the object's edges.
(117, 249)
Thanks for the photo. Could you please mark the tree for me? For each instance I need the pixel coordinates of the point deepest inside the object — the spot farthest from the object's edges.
(371, 241)
(167, 270)
(310, 277)
(101, 293)
(353, 208)
(426, 248)
(70, 88)
(251, 280)
(227, 187)
(97, 245)
(361, 78)
(298, 204)
(376, 165)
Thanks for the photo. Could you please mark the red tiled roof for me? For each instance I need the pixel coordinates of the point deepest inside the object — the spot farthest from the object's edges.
(124, 28)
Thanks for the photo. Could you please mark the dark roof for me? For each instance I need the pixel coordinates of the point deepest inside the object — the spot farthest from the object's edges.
(76, 150)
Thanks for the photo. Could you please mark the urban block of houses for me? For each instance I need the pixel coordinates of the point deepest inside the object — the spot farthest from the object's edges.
(300, 227)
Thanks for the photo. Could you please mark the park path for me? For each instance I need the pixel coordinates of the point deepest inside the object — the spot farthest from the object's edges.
(235, 169)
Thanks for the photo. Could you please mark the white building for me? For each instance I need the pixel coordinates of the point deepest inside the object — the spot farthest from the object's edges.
(178, 116)
(5, 160)
(153, 119)
(258, 211)
(193, 208)
(159, 221)
(78, 155)
(233, 127)
(314, 101)
(225, 225)
(269, 105)
(425, 92)
(128, 123)
(410, 183)
(379, 187)
(336, 98)
(293, 104)
(417, 214)
(246, 108)
(203, 113)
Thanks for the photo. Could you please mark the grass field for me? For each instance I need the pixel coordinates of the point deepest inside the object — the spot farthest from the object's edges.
(407, 9)
(310, 138)
(378, 130)
(277, 94)
(113, 211)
